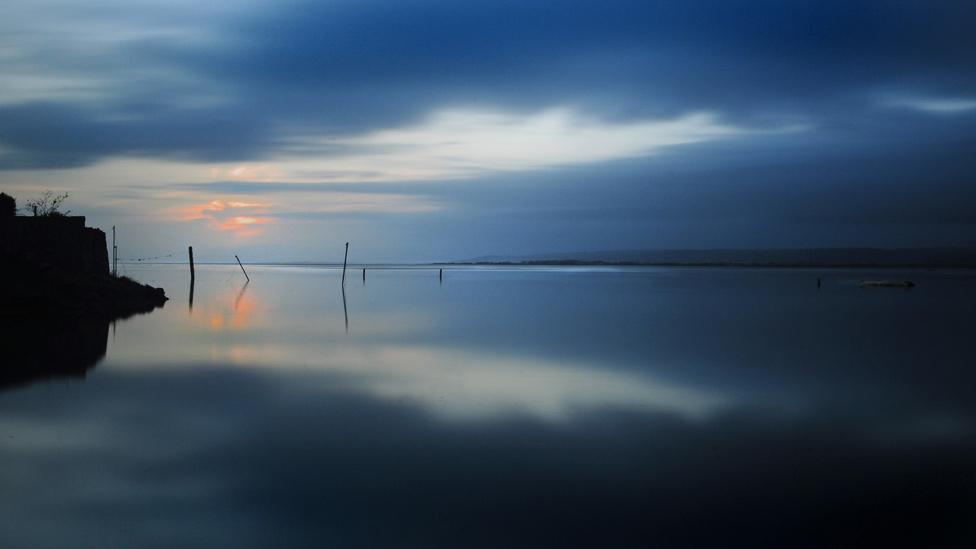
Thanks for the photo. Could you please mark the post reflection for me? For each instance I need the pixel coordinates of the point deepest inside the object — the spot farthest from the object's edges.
(237, 302)
(345, 311)
(229, 309)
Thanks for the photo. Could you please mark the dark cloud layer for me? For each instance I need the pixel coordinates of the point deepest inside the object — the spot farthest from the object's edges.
(351, 66)
(63, 135)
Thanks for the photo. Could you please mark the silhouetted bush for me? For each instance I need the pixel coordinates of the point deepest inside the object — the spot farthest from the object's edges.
(48, 205)
(8, 206)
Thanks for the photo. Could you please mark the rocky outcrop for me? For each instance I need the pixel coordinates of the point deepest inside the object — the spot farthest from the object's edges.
(58, 243)
(57, 265)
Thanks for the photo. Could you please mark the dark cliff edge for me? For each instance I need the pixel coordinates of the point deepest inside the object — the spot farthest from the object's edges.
(57, 265)
(57, 298)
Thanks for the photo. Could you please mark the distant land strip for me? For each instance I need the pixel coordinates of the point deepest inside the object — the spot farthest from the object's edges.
(819, 257)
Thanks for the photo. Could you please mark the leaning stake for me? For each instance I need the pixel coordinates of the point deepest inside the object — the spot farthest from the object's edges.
(242, 268)
(192, 274)
(344, 264)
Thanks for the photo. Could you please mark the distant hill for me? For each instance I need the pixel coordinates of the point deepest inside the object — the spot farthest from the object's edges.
(811, 257)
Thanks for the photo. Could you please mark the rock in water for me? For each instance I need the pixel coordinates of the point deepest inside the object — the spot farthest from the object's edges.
(886, 284)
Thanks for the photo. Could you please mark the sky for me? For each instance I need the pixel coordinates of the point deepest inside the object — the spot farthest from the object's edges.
(445, 130)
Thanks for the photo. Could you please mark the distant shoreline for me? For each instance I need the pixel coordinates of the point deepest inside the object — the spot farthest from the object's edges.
(561, 263)
(787, 258)
(869, 258)
(719, 264)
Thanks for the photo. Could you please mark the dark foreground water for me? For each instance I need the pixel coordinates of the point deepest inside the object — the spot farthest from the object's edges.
(500, 408)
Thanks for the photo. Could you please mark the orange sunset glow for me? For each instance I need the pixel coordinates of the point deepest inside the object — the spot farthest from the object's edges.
(239, 217)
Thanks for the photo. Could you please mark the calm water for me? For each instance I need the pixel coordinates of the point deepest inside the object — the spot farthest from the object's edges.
(502, 407)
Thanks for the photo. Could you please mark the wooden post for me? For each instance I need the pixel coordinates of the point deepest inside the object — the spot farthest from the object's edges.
(440, 275)
(344, 264)
(242, 268)
(192, 277)
(364, 275)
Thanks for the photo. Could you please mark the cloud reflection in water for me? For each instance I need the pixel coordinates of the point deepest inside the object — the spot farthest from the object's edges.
(676, 408)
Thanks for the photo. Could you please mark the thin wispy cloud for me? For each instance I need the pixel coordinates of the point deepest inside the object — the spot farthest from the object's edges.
(934, 105)
(457, 143)
(463, 143)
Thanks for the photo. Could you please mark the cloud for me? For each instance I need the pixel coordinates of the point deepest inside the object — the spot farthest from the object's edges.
(463, 143)
(246, 218)
(425, 93)
(457, 143)
(241, 218)
(209, 83)
(934, 105)
(460, 143)
(67, 135)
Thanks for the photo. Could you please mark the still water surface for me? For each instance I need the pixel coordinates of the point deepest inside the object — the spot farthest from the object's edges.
(503, 407)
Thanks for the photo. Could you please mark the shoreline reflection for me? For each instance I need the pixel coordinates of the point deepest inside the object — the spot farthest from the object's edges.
(45, 348)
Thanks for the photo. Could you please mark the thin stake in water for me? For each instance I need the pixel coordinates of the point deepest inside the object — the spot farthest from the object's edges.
(115, 254)
(242, 268)
(192, 276)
